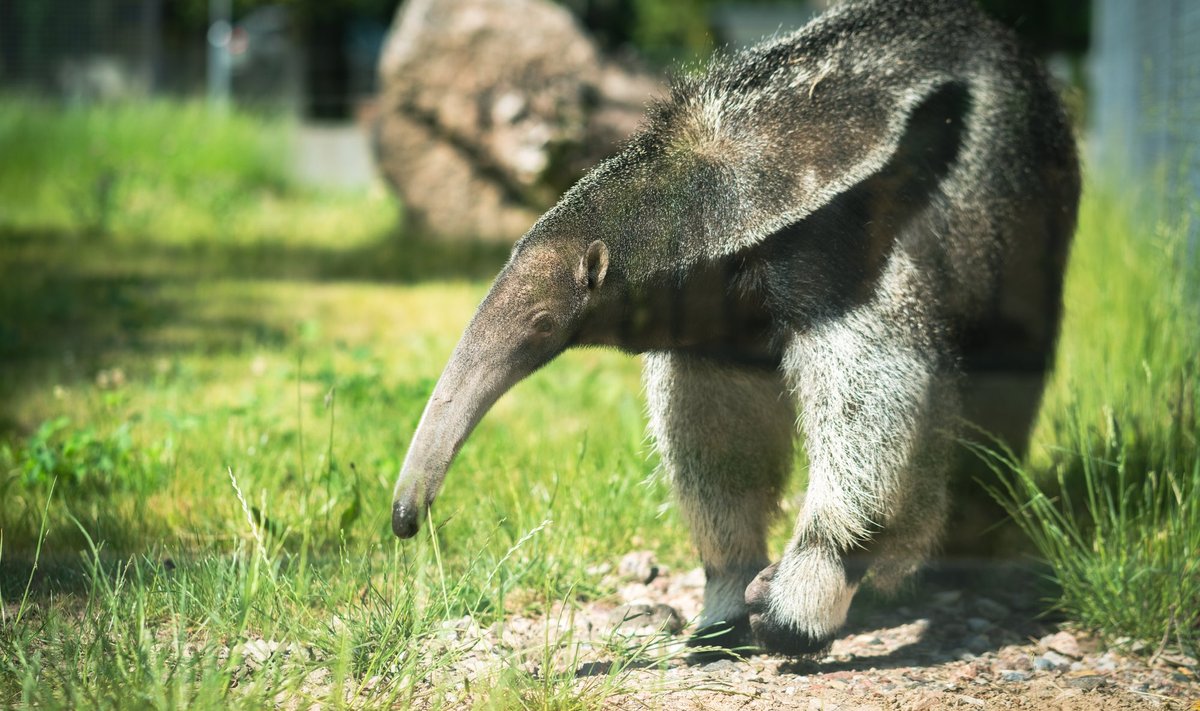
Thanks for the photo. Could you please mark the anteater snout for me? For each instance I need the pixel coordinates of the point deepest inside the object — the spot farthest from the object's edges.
(406, 519)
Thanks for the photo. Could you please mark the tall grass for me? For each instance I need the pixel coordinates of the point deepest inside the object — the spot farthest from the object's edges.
(1112, 500)
(177, 171)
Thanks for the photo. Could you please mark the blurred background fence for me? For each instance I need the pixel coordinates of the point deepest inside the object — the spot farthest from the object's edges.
(1146, 96)
(316, 59)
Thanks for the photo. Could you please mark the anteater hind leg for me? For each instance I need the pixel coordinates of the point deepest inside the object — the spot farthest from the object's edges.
(725, 437)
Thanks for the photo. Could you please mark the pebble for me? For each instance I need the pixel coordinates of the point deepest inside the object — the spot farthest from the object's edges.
(1087, 682)
(978, 644)
(639, 566)
(641, 619)
(720, 666)
(1061, 642)
(1178, 660)
(978, 624)
(1012, 675)
(1051, 661)
(256, 652)
(948, 597)
(991, 609)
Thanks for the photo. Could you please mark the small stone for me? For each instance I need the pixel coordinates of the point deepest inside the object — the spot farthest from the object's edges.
(256, 652)
(1177, 659)
(991, 609)
(1061, 642)
(1051, 661)
(1106, 663)
(978, 644)
(639, 565)
(1013, 675)
(643, 619)
(978, 624)
(1086, 682)
(719, 667)
(593, 669)
(948, 597)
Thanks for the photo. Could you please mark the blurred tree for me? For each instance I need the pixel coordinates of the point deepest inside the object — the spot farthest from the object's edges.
(664, 29)
(195, 12)
(1047, 25)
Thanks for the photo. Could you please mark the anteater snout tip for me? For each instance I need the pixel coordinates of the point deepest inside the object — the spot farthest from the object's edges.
(406, 519)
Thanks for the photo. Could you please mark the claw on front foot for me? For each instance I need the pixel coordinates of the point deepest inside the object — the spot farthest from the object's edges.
(775, 635)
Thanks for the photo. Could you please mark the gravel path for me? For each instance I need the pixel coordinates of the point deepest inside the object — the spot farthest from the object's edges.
(965, 636)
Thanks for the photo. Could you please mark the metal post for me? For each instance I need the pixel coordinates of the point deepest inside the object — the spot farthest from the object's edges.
(219, 65)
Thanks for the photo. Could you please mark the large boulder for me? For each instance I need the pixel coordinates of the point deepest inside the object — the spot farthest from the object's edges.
(491, 108)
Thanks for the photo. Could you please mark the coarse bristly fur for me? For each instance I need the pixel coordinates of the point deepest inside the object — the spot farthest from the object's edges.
(855, 226)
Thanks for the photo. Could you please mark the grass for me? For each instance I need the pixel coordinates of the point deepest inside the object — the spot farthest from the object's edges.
(256, 332)
(1113, 500)
(210, 377)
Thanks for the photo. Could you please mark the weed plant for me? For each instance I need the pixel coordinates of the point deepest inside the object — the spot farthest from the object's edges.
(1113, 500)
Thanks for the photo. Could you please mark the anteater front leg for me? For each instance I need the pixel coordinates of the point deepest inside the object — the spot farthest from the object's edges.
(875, 405)
(725, 436)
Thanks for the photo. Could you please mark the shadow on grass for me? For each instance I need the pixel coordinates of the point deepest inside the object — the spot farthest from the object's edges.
(73, 304)
(74, 297)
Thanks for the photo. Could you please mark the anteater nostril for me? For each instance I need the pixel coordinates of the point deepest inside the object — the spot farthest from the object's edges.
(406, 520)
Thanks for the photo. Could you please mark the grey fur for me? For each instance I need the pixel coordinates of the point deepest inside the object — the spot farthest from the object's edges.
(854, 223)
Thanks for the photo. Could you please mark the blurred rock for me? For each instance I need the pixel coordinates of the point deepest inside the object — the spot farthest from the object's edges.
(1086, 681)
(645, 619)
(991, 609)
(978, 624)
(639, 566)
(1063, 643)
(1051, 661)
(491, 108)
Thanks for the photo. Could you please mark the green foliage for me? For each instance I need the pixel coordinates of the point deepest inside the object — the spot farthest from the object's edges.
(181, 172)
(1119, 516)
(112, 166)
(82, 462)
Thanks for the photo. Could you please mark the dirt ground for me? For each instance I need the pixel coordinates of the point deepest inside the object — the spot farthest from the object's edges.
(964, 636)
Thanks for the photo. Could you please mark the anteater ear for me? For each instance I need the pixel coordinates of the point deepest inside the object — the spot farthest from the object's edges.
(594, 265)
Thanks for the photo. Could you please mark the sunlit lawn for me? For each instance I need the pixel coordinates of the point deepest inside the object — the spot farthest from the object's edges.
(285, 345)
(176, 331)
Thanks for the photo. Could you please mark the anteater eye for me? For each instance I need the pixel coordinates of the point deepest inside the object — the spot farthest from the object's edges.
(543, 323)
